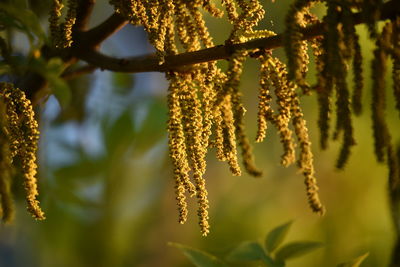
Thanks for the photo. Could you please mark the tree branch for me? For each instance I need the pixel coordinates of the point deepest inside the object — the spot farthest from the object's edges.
(84, 11)
(100, 33)
(148, 63)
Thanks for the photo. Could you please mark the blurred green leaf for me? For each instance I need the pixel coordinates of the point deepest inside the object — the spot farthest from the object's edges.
(4, 68)
(123, 82)
(276, 236)
(199, 258)
(153, 126)
(60, 90)
(120, 132)
(29, 22)
(51, 70)
(355, 262)
(296, 249)
(249, 251)
(83, 168)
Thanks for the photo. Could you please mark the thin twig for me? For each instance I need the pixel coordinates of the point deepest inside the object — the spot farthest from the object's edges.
(74, 73)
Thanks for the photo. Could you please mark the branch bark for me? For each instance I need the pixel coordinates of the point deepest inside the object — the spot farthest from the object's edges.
(149, 63)
(94, 37)
(84, 12)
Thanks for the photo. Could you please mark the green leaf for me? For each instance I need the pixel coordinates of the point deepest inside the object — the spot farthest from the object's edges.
(355, 262)
(52, 70)
(123, 82)
(4, 68)
(120, 132)
(29, 21)
(296, 249)
(199, 258)
(60, 89)
(276, 236)
(249, 251)
(151, 127)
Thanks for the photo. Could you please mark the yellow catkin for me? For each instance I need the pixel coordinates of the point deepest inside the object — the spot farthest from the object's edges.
(55, 30)
(296, 49)
(229, 137)
(251, 14)
(232, 88)
(61, 33)
(6, 169)
(69, 23)
(208, 95)
(218, 115)
(185, 28)
(210, 8)
(202, 30)
(264, 98)
(230, 10)
(282, 119)
(23, 134)
(305, 161)
(192, 126)
(177, 149)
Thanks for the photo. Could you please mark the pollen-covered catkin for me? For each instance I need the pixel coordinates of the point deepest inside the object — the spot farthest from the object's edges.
(289, 96)
(69, 22)
(6, 170)
(61, 33)
(232, 87)
(264, 98)
(282, 119)
(55, 14)
(23, 135)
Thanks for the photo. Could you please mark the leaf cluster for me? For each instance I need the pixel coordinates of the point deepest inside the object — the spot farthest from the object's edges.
(273, 252)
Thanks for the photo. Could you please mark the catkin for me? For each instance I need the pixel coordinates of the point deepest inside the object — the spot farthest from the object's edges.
(61, 33)
(379, 65)
(6, 170)
(23, 135)
(396, 61)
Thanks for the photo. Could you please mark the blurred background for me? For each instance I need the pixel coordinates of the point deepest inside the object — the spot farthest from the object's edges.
(106, 180)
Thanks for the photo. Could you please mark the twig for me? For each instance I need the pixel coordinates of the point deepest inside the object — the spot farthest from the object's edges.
(74, 73)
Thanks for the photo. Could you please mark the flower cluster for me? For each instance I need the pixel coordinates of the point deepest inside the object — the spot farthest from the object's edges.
(205, 105)
(18, 138)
